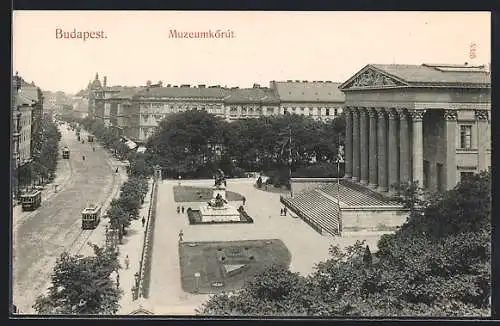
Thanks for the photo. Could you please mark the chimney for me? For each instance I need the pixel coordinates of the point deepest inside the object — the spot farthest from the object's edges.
(105, 81)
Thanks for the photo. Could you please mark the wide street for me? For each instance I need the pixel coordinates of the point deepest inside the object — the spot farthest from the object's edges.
(40, 237)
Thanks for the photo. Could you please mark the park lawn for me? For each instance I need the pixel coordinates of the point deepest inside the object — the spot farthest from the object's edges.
(202, 259)
(200, 194)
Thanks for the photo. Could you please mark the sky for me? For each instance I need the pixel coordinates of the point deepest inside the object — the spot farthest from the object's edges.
(265, 45)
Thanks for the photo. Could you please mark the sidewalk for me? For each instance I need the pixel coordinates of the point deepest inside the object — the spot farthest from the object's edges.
(132, 246)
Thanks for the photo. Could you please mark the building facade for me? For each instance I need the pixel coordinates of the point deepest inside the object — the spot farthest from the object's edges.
(426, 123)
(137, 111)
(153, 104)
(321, 100)
(24, 103)
(244, 103)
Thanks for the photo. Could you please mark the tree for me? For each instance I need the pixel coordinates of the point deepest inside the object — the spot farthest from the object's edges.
(82, 285)
(118, 217)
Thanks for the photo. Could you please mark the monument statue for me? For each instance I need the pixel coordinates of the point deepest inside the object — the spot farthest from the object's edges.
(218, 201)
(220, 179)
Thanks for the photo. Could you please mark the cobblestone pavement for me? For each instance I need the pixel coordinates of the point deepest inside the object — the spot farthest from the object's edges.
(40, 237)
(306, 245)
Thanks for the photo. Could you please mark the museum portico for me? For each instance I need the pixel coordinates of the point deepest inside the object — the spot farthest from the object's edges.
(427, 123)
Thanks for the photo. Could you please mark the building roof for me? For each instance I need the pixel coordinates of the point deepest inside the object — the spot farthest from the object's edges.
(126, 92)
(183, 92)
(308, 91)
(425, 75)
(250, 95)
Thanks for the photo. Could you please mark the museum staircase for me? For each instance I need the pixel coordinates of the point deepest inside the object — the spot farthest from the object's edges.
(353, 194)
(316, 210)
(320, 208)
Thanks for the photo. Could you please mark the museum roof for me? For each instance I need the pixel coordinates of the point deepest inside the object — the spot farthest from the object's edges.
(308, 91)
(250, 95)
(182, 92)
(429, 75)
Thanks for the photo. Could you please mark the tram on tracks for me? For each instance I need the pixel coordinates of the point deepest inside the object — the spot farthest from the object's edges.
(65, 152)
(91, 216)
(31, 200)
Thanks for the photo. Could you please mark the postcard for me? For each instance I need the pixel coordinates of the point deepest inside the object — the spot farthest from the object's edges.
(251, 163)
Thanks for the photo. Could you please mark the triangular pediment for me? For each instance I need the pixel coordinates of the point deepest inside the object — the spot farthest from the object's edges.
(370, 77)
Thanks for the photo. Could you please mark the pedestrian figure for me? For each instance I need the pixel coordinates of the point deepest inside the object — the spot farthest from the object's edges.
(116, 171)
(182, 209)
(284, 211)
(117, 281)
(143, 221)
(244, 201)
(178, 209)
(281, 211)
(127, 262)
(83, 158)
(181, 234)
(93, 149)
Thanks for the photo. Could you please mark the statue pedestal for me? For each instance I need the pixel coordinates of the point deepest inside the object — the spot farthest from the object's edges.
(219, 214)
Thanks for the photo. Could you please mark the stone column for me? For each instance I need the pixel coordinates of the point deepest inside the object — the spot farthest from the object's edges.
(348, 143)
(355, 145)
(404, 148)
(373, 165)
(363, 131)
(483, 139)
(417, 117)
(382, 151)
(393, 152)
(450, 117)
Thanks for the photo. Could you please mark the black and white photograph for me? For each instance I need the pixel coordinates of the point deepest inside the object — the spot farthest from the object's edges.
(251, 164)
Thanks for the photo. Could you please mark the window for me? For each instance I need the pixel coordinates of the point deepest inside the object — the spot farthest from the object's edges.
(335, 112)
(464, 175)
(465, 136)
(327, 111)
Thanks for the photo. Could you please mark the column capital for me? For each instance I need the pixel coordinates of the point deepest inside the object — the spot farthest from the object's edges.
(417, 115)
(355, 111)
(481, 114)
(403, 113)
(380, 112)
(372, 112)
(450, 115)
(392, 114)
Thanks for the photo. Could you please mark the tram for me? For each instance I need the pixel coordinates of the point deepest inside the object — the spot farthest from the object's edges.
(65, 152)
(31, 200)
(91, 216)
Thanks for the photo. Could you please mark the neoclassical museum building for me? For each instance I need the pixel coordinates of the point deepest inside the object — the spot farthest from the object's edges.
(427, 123)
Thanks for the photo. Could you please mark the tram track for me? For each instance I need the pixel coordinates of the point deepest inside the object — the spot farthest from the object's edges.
(83, 236)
